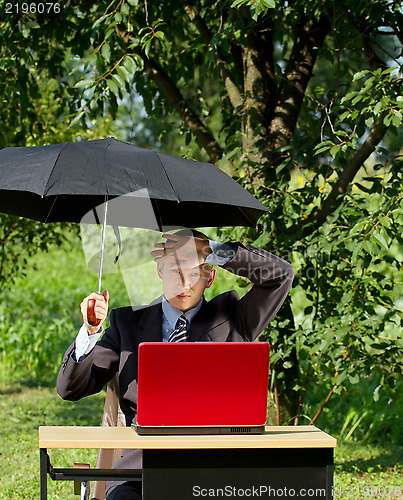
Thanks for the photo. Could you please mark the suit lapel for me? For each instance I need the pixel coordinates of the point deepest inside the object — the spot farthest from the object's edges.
(202, 322)
(150, 324)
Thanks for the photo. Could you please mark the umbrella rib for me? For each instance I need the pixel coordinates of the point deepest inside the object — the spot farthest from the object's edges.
(157, 214)
(166, 173)
(50, 175)
(54, 166)
(51, 208)
(247, 217)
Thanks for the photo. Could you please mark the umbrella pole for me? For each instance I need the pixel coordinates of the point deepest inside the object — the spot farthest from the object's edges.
(101, 255)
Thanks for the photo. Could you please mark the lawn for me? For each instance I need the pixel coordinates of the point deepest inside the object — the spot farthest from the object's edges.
(23, 410)
(361, 471)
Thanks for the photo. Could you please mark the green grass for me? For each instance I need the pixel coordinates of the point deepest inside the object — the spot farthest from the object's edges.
(24, 409)
(368, 471)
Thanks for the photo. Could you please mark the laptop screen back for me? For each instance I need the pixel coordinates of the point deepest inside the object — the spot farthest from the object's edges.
(202, 384)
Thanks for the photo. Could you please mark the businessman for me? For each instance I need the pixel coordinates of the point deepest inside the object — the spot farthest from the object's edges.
(185, 263)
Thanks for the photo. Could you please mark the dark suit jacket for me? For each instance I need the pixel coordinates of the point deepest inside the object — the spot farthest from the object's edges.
(226, 318)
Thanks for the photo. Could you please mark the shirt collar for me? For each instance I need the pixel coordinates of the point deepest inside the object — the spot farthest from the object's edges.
(172, 314)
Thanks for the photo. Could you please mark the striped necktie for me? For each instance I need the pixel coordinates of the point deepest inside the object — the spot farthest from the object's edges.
(180, 332)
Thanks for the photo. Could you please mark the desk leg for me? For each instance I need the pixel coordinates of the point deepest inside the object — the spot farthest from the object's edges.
(44, 467)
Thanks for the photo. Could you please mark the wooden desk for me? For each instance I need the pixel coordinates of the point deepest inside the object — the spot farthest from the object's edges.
(284, 461)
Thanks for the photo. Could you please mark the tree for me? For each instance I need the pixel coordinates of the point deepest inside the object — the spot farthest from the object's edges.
(35, 93)
(299, 101)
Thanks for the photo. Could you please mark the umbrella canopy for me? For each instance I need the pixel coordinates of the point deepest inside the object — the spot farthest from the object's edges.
(63, 182)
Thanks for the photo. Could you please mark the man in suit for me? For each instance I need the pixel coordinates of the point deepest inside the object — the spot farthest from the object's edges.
(184, 263)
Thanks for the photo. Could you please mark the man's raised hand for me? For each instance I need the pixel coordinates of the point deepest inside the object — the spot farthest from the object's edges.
(181, 250)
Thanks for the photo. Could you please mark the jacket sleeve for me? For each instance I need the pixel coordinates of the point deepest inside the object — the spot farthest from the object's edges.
(78, 379)
(271, 277)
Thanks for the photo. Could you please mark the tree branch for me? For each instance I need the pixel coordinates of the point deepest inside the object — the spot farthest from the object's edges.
(162, 79)
(310, 35)
(318, 217)
(232, 88)
(259, 90)
(364, 29)
(265, 49)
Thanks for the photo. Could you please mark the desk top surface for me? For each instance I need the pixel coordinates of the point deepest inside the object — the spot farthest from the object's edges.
(127, 438)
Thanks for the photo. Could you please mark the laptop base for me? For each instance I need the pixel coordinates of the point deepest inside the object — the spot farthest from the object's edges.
(156, 431)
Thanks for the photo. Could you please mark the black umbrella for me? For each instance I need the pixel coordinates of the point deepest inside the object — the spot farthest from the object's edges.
(64, 182)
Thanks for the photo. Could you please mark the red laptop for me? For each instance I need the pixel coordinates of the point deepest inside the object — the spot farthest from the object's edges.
(202, 387)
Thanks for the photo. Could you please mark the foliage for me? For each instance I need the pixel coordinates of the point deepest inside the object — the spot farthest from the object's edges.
(301, 103)
(40, 314)
(354, 416)
(345, 331)
(21, 239)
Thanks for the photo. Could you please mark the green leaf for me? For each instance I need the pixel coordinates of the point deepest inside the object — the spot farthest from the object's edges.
(125, 9)
(112, 86)
(120, 82)
(344, 115)
(262, 241)
(334, 150)
(359, 75)
(354, 379)
(324, 143)
(397, 119)
(106, 52)
(77, 118)
(274, 357)
(357, 99)
(99, 21)
(88, 82)
(147, 47)
(385, 221)
(376, 393)
(380, 239)
(377, 108)
(369, 122)
(348, 97)
(130, 64)
(357, 249)
(123, 73)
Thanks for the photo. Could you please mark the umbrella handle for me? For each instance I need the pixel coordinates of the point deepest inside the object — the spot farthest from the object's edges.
(91, 318)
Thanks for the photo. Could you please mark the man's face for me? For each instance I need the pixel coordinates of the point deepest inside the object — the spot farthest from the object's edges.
(184, 287)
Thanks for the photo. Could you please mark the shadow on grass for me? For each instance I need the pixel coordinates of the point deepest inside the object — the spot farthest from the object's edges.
(15, 386)
(373, 458)
(30, 405)
(87, 411)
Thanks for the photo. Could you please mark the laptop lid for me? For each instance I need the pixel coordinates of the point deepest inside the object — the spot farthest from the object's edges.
(202, 385)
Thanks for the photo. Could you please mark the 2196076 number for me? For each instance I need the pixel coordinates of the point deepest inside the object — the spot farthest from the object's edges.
(33, 8)
(389, 492)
